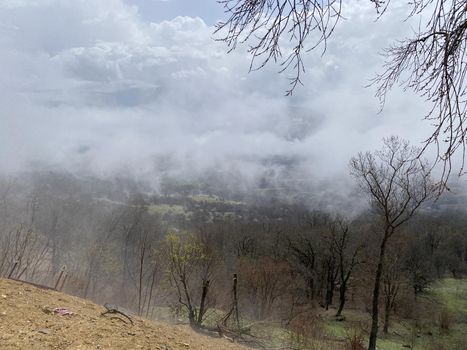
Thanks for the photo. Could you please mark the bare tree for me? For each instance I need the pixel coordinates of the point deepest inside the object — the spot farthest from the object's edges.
(304, 258)
(432, 63)
(148, 268)
(98, 250)
(349, 256)
(330, 266)
(397, 183)
(190, 268)
(23, 253)
(264, 281)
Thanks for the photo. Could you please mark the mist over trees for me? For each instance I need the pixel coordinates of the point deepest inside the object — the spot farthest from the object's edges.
(179, 249)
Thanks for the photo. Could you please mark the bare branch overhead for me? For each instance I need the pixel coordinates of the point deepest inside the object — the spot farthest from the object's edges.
(432, 62)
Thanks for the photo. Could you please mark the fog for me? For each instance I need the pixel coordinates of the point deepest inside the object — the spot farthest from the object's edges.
(110, 88)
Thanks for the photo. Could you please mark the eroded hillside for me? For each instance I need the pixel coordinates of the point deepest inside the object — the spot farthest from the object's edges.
(28, 321)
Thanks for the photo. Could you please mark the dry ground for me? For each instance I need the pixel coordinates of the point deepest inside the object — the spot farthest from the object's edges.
(27, 321)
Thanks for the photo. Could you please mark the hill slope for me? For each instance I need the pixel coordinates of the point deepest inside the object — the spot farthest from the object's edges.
(27, 321)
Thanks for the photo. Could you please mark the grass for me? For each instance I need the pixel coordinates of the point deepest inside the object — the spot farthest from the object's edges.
(448, 295)
(163, 209)
(425, 334)
(204, 198)
(452, 293)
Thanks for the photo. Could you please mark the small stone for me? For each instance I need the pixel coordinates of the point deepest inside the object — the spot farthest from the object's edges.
(46, 310)
(43, 331)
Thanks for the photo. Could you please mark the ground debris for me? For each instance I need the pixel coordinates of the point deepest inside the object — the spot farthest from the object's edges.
(115, 309)
(62, 311)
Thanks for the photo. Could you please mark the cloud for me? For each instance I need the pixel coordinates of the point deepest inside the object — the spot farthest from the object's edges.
(92, 86)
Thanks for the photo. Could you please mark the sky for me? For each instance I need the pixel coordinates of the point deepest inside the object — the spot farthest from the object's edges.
(165, 10)
(139, 86)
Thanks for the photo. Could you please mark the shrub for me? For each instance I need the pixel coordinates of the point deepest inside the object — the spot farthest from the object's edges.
(308, 333)
(355, 340)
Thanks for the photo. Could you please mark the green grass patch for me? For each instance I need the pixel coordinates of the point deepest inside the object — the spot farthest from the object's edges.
(452, 293)
(164, 209)
(204, 198)
(328, 334)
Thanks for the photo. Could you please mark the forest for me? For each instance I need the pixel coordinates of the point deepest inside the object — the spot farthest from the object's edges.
(268, 269)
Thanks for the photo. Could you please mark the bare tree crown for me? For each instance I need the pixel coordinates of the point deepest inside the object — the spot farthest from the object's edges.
(396, 180)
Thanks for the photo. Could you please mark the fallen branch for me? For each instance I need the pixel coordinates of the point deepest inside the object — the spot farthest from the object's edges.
(115, 309)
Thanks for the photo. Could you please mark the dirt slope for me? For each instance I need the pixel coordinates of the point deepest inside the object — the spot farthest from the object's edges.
(27, 321)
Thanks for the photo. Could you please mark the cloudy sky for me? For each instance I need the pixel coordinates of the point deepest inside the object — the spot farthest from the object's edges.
(114, 85)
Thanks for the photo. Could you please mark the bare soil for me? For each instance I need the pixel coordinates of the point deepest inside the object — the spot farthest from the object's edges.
(27, 321)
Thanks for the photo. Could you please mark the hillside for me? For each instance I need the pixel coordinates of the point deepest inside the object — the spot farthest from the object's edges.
(27, 321)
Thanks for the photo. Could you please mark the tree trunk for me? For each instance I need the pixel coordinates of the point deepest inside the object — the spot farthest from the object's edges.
(202, 305)
(342, 290)
(140, 284)
(189, 305)
(54, 234)
(375, 306)
(311, 289)
(331, 292)
(330, 283)
(329, 296)
(387, 310)
(151, 289)
(235, 301)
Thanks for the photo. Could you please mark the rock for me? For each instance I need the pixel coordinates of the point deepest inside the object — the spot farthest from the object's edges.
(43, 331)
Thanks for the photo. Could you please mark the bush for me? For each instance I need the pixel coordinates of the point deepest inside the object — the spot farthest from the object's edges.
(308, 333)
(355, 340)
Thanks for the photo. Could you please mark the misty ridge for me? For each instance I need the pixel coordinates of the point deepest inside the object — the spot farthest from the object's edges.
(207, 165)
